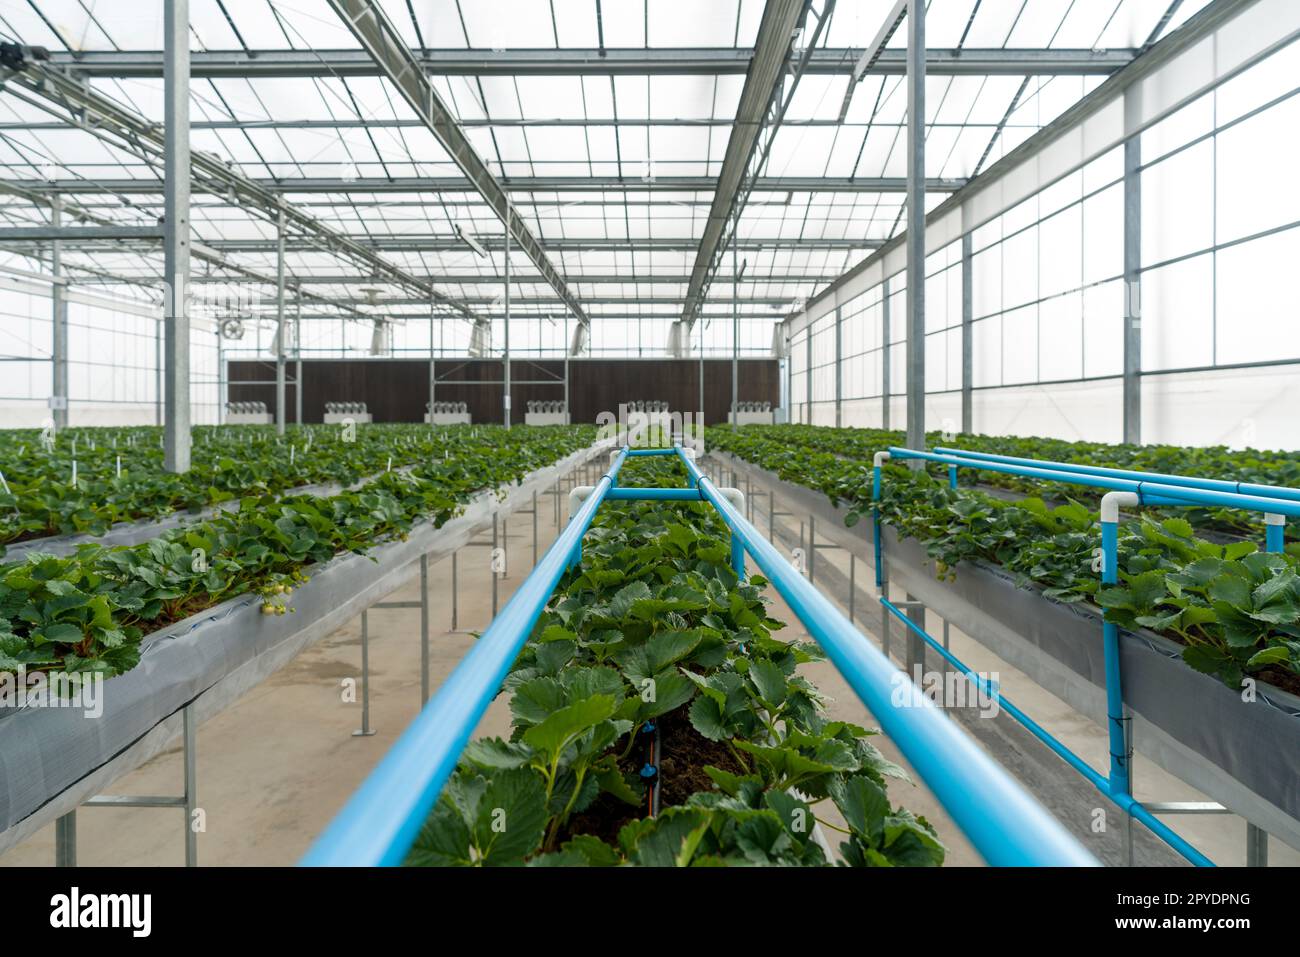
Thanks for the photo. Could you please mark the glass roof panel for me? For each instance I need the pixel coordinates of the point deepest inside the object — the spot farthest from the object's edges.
(689, 23)
(356, 134)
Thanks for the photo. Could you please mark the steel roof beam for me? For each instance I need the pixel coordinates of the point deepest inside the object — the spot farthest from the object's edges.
(518, 184)
(384, 44)
(472, 279)
(434, 244)
(52, 89)
(671, 61)
(763, 81)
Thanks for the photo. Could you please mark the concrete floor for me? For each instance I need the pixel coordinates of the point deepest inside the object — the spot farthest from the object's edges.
(275, 767)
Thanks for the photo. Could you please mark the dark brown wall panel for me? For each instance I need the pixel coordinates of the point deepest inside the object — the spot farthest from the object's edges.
(396, 390)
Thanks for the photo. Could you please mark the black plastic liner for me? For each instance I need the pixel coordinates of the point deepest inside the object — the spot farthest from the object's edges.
(1246, 755)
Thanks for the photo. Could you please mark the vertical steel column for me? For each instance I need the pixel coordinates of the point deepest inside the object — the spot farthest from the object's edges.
(297, 353)
(699, 321)
(433, 368)
(808, 390)
(882, 579)
(916, 225)
(221, 378)
(365, 730)
(65, 840)
(190, 756)
(568, 413)
(1132, 387)
(176, 232)
(505, 379)
(424, 629)
(839, 368)
(158, 386)
(59, 304)
(735, 319)
(967, 347)
(886, 378)
(788, 362)
(281, 413)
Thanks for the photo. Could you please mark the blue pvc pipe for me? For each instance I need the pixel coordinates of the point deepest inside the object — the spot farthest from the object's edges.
(380, 822)
(738, 555)
(634, 453)
(1094, 777)
(1076, 762)
(1274, 538)
(952, 476)
(1210, 485)
(1006, 825)
(875, 522)
(1151, 493)
(1119, 770)
(654, 495)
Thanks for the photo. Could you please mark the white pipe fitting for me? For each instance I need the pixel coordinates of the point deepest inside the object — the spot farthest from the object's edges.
(577, 495)
(735, 497)
(1112, 501)
(1273, 518)
(880, 459)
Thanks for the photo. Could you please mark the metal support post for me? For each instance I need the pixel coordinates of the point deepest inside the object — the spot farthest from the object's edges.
(65, 840)
(812, 547)
(735, 322)
(506, 361)
(1256, 846)
(1132, 355)
(967, 339)
(915, 234)
(424, 629)
(365, 730)
(297, 354)
(454, 590)
(59, 339)
(281, 413)
(176, 233)
(853, 586)
(189, 736)
(886, 363)
(492, 563)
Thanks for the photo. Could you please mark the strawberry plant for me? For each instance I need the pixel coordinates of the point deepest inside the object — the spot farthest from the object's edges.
(89, 610)
(1245, 624)
(653, 631)
(120, 477)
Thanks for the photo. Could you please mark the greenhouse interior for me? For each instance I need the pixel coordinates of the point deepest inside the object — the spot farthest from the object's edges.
(397, 394)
